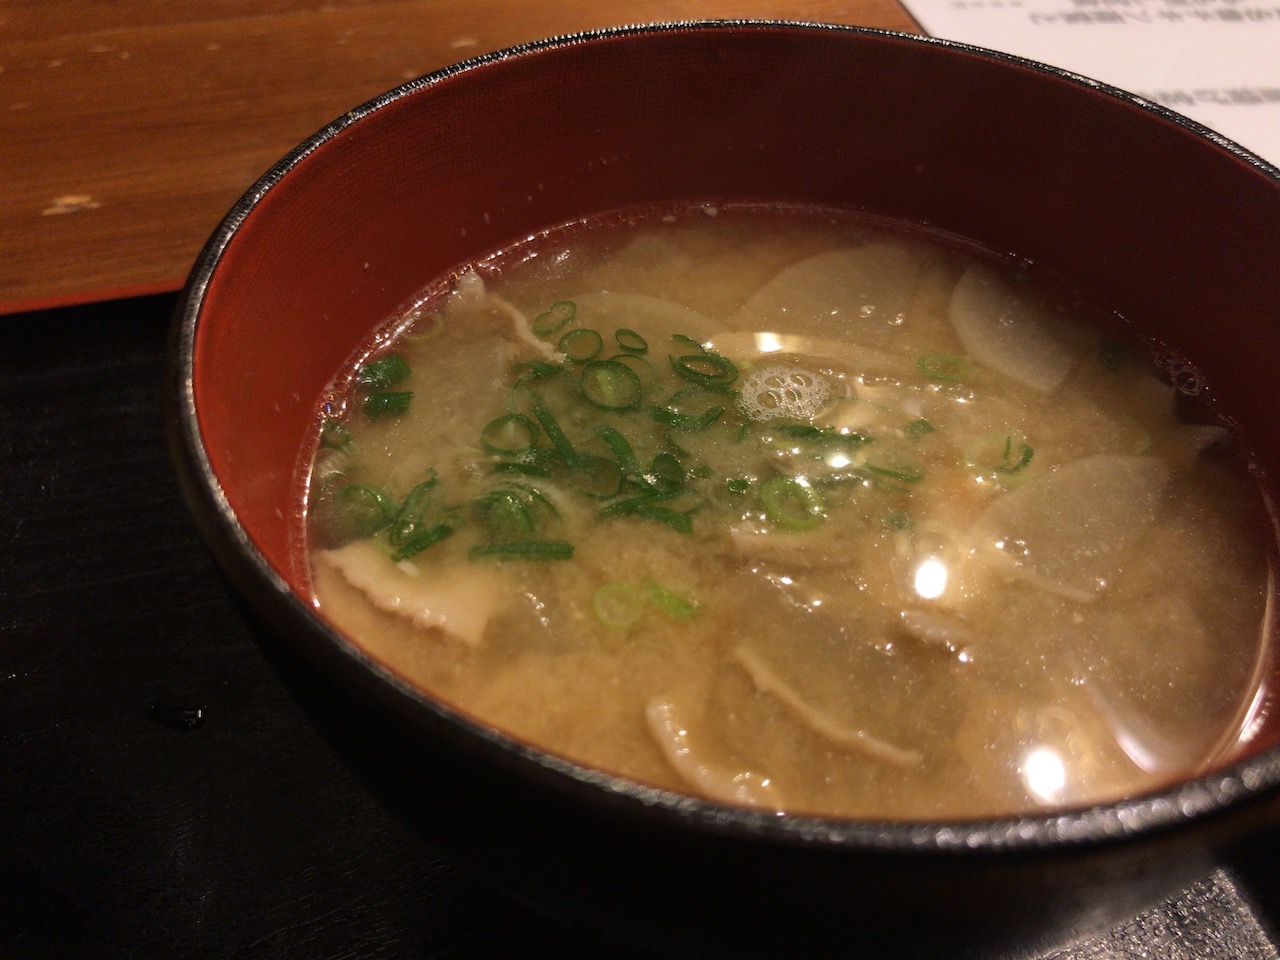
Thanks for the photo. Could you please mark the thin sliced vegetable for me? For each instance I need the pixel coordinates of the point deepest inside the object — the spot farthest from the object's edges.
(637, 504)
(1077, 522)
(1015, 460)
(618, 605)
(897, 470)
(555, 318)
(596, 476)
(1002, 329)
(623, 452)
(385, 371)
(676, 605)
(505, 513)
(581, 345)
(512, 433)
(382, 403)
(706, 369)
(766, 680)
(559, 440)
(630, 341)
(791, 503)
(670, 732)
(918, 428)
(681, 521)
(666, 471)
(360, 511)
(687, 422)
(419, 542)
(610, 385)
(415, 512)
(333, 435)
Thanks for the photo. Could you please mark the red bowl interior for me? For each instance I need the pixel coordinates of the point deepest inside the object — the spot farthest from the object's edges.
(1176, 231)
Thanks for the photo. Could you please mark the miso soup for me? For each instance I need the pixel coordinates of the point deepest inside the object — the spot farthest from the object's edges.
(787, 509)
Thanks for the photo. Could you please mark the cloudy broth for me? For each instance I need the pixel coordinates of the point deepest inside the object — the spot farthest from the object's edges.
(791, 510)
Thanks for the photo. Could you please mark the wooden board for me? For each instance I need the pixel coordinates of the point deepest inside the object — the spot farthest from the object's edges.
(128, 129)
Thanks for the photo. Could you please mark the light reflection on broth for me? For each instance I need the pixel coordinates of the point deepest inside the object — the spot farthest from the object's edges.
(794, 511)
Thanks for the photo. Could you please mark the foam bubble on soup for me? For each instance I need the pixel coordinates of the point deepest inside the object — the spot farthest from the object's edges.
(790, 510)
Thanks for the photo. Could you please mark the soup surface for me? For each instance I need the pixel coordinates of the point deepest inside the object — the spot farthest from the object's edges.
(790, 510)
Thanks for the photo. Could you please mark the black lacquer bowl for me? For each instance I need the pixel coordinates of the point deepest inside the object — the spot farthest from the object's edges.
(1175, 227)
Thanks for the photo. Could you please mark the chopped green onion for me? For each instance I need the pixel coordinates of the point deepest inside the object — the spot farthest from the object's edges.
(903, 472)
(504, 512)
(333, 435)
(638, 504)
(681, 521)
(899, 521)
(675, 605)
(618, 605)
(944, 368)
(555, 317)
(737, 485)
(610, 385)
(420, 542)
(706, 369)
(533, 462)
(596, 476)
(557, 436)
(580, 345)
(361, 511)
(687, 422)
(666, 471)
(791, 503)
(510, 508)
(918, 428)
(383, 403)
(649, 505)
(539, 369)
(1014, 463)
(631, 341)
(534, 496)
(524, 550)
(386, 371)
(511, 433)
(622, 450)
(830, 435)
(411, 517)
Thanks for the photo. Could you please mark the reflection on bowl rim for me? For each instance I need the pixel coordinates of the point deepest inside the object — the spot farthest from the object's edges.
(1143, 815)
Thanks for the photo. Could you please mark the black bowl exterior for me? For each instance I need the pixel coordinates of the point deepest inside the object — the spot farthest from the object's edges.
(1021, 158)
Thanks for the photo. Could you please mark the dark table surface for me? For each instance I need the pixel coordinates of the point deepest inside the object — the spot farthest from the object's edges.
(164, 794)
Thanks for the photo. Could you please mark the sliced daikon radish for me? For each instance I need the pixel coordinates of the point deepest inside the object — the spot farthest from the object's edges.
(1006, 332)
(859, 293)
(1069, 530)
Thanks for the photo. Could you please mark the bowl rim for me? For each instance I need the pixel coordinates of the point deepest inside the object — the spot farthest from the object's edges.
(1203, 796)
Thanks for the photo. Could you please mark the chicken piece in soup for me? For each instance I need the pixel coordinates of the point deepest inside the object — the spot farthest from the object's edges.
(791, 510)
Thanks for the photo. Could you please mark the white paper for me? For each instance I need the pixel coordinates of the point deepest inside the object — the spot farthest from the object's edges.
(1215, 61)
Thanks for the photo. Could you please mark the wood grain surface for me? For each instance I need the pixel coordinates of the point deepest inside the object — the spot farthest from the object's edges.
(128, 129)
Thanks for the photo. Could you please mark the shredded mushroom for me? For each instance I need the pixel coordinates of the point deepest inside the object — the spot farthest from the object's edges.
(767, 681)
(744, 787)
